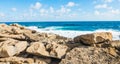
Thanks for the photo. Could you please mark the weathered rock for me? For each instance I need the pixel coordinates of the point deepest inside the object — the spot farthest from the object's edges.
(56, 49)
(19, 37)
(115, 43)
(17, 25)
(41, 60)
(37, 48)
(91, 55)
(21, 46)
(93, 38)
(20, 60)
(49, 49)
(3, 39)
(12, 47)
(31, 37)
(7, 51)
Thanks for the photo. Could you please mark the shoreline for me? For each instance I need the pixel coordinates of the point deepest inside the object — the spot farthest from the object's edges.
(19, 45)
(73, 33)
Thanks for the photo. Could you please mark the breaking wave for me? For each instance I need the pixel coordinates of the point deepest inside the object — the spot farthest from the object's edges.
(73, 33)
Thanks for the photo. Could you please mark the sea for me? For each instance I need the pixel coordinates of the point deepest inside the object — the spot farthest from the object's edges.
(72, 29)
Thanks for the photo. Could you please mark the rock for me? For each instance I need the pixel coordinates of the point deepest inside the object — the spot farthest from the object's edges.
(5, 28)
(31, 36)
(93, 38)
(49, 49)
(16, 30)
(16, 60)
(115, 43)
(21, 46)
(20, 60)
(90, 55)
(12, 47)
(112, 51)
(56, 49)
(41, 60)
(7, 51)
(51, 36)
(17, 25)
(37, 48)
(3, 39)
(19, 37)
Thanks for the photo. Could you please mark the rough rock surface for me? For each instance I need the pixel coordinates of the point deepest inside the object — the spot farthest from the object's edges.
(93, 38)
(90, 55)
(49, 49)
(37, 48)
(11, 47)
(20, 60)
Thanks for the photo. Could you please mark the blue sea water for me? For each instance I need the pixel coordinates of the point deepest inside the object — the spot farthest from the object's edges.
(77, 26)
(72, 29)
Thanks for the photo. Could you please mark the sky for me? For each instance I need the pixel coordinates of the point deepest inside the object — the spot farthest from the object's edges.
(59, 10)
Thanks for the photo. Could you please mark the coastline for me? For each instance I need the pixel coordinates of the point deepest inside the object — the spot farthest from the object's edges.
(19, 44)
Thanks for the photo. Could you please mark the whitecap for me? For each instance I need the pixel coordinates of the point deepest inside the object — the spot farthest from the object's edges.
(72, 33)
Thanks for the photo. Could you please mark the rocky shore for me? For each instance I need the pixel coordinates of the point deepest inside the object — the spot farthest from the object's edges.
(19, 45)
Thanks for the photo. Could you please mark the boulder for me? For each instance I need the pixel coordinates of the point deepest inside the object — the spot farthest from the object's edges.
(91, 55)
(17, 25)
(7, 51)
(21, 46)
(47, 49)
(19, 37)
(12, 47)
(56, 49)
(115, 43)
(37, 48)
(33, 37)
(93, 38)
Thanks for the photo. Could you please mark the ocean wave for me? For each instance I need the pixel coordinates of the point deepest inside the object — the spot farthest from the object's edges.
(45, 28)
(73, 33)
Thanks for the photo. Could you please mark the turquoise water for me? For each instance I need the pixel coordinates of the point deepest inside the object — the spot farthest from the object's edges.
(71, 29)
(79, 26)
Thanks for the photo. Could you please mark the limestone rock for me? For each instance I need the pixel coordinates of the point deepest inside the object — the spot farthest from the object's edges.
(7, 51)
(17, 25)
(115, 43)
(20, 60)
(37, 48)
(21, 46)
(90, 55)
(19, 37)
(93, 38)
(56, 49)
(50, 49)
(31, 37)
(12, 47)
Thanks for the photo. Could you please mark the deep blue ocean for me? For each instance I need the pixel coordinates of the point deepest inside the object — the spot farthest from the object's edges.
(82, 26)
(72, 29)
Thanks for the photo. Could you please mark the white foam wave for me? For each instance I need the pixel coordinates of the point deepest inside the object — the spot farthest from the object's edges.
(72, 34)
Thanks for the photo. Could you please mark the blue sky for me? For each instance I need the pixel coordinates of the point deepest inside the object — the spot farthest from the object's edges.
(59, 10)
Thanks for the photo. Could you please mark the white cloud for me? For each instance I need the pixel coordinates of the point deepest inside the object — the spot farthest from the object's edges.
(101, 6)
(97, 12)
(37, 5)
(14, 9)
(52, 10)
(2, 15)
(108, 1)
(63, 10)
(117, 11)
(70, 4)
(42, 11)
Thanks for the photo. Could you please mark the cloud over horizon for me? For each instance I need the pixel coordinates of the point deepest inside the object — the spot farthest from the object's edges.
(59, 10)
